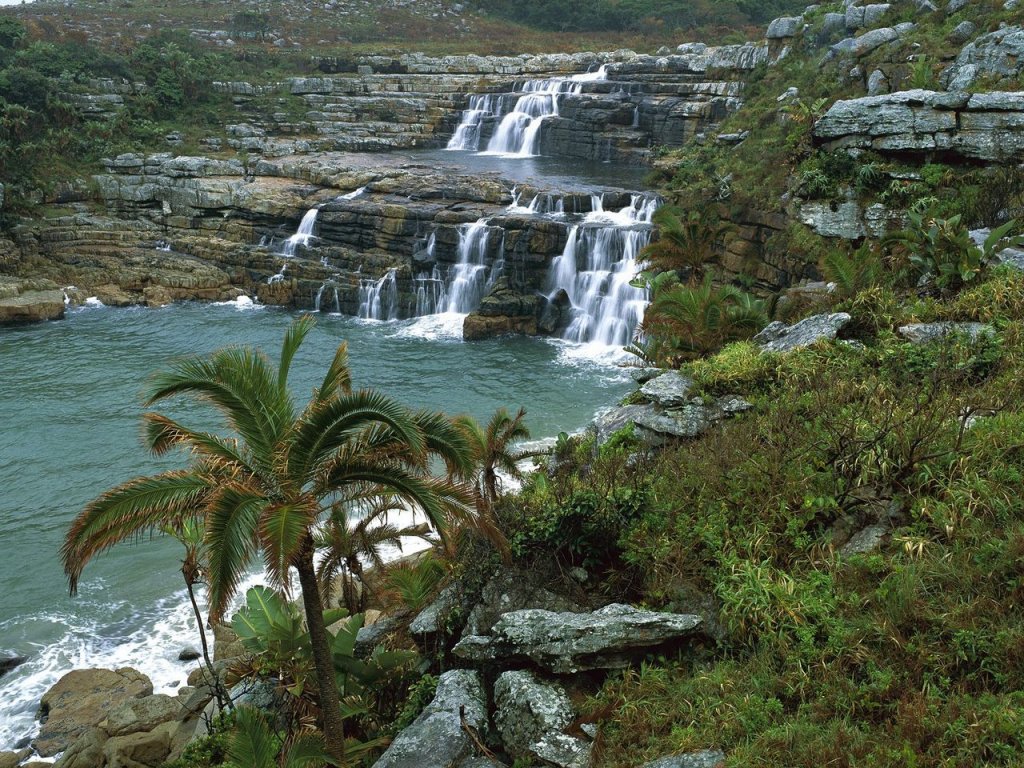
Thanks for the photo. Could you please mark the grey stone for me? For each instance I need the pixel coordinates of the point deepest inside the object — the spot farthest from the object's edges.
(833, 220)
(865, 540)
(955, 6)
(831, 25)
(963, 32)
(369, 637)
(688, 421)
(431, 619)
(926, 6)
(668, 390)
(614, 419)
(778, 337)
(531, 717)
(189, 653)
(998, 54)
(513, 589)
(922, 333)
(862, 45)
(567, 643)
(9, 662)
(707, 758)
(877, 83)
(874, 13)
(786, 26)
(437, 739)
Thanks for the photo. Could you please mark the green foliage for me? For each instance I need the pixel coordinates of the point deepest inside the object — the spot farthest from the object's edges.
(738, 367)
(421, 693)
(415, 584)
(853, 273)
(690, 322)
(686, 242)
(210, 749)
(254, 744)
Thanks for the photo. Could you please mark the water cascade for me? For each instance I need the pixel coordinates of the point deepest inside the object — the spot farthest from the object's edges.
(317, 303)
(378, 299)
(469, 280)
(303, 235)
(518, 129)
(595, 270)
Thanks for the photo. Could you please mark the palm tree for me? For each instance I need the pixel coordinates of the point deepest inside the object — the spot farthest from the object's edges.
(349, 537)
(492, 453)
(266, 488)
(691, 322)
(686, 241)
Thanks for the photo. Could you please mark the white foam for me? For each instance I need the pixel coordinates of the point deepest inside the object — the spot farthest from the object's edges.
(442, 326)
(242, 303)
(92, 301)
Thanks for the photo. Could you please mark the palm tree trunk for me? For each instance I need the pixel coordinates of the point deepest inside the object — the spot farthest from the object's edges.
(218, 689)
(323, 663)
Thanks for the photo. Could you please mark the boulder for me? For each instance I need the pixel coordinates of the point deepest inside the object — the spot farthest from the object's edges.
(786, 26)
(10, 661)
(86, 751)
(143, 714)
(370, 636)
(531, 717)
(82, 699)
(429, 623)
(779, 337)
(998, 54)
(669, 389)
(513, 589)
(862, 45)
(139, 750)
(437, 738)
(963, 32)
(32, 307)
(12, 759)
(189, 653)
(566, 643)
(955, 6)
(707, 758)
(877, 83)
(922, 333)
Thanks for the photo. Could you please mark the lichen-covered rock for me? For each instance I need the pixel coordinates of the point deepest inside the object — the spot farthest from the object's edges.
(779, 337)
(708, 758)
(513, 589)
(669, 389)
(437, 738)
(82, 699)
(997, 54)
(430, 620)
(566, 643)
(922, 333)
(856, 47)
(786, 26)
(146, 749)
(531, 716)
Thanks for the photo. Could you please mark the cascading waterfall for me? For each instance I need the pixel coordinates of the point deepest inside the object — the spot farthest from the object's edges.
(595, 270)
(378, 299)
(303, 235)
(469, 278)
(518, 130)
(318, 302)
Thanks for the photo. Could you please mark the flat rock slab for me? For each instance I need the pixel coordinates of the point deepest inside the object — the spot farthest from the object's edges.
(437, 739)
(922, 333)
(566, 643)
(779, 337)
(82, 699)
(32, 307)
(669, 389)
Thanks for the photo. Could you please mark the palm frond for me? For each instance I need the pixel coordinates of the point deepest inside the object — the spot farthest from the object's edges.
(293, 339)
(232, 522)
(128, 511)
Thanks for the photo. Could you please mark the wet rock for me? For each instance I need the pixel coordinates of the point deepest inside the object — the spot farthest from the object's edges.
(922, 333)
(139, 750)
(531, 717)
(31, 307)
(566, 643)
(437, 738)
(189, 653)
(12, 759)
(669, 389)
(778, 337)
(81, 699)
(707, 758)
(10, 661)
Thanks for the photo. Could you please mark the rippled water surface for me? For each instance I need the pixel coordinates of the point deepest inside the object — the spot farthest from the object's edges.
(69, 429)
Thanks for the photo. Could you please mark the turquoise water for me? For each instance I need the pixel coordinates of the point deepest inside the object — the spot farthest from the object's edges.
(70, 411)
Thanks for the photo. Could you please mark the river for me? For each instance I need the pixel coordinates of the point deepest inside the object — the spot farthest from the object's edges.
(71, 421)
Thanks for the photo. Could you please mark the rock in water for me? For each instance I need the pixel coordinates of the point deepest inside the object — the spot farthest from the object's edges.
(566, 643)
(10, 661)
(82, 699)
(437, 738)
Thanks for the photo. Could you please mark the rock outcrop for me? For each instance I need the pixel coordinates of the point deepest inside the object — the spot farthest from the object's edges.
(566, 643)
(531, 717)
(779, 337)
(980, 126)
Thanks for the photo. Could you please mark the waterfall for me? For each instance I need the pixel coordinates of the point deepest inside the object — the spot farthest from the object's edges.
(469, 280)
(303, 235)
(431, 295)
(353, 194)
(518, 132)
(279, 276)
(595, 270)
(317, 302)
(378, 299)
